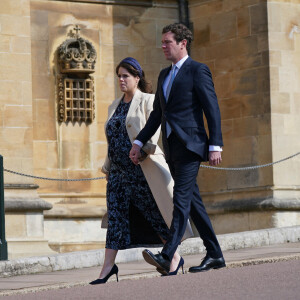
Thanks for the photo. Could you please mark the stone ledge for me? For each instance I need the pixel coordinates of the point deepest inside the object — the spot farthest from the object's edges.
(92, 258)
(21, 205)
(73, 213)
(247, 205)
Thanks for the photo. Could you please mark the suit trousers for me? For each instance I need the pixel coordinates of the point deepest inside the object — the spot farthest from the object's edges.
(184, 166)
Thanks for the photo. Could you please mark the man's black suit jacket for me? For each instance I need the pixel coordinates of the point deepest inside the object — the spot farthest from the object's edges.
(192, 93)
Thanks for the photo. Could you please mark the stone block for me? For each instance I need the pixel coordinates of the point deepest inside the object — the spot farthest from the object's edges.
(230, 108)
(255, 238)
(213, 51)
(236, 149)
(280, 41)
(223, 86)
(263, 79)
(15, 225)
(288, 79)
(264, 155)
(275, 58)
(80, 158)
(40, 154)
(208, 9)
(20, 44)
(286, 218)
(16, 7)
(10, 92)
(243, 21)
(74, 230)
(15, 25)
(244, 82)
(39, 25)
(40, 54)
(227, 129)
(229, 5)
(223, 26)
(208, 179)
(291, 125)
(280, 103)
(260, 220)
(254, 105)
(28, 247)
(26, 92)
(52, 155)
(160, 13)
(50, 186)
(42, 131)
(258, 18)
(44, 111)
(296, 103)
(25, 266)
(201, 32)
(246, 126)
(41, 86)
(35, 224)
(19, 66)
(18, 116)
(263, 42)
(5, 43)
(244, 46)
(275, 11)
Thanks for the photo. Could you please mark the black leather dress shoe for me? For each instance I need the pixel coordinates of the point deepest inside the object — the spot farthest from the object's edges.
(158, 261)
(209, 263)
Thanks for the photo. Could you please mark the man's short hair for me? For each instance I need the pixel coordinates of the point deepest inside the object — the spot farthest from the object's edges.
(181, 32)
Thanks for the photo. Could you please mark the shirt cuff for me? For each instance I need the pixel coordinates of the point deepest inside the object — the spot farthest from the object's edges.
(138, 143)
(215, 148)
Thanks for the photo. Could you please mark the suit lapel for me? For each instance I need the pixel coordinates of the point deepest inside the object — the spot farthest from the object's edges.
(180, 73)
(163, 78)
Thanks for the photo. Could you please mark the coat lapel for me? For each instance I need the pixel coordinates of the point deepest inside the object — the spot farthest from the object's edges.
(113, 108)
(136, 100)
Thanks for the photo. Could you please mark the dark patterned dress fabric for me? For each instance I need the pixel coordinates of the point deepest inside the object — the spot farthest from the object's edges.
(134, 219)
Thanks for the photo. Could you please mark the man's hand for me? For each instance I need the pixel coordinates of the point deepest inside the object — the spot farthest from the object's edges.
(214, 158)
(135, 153)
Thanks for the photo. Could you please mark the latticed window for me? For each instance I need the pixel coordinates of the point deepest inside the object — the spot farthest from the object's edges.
(78, 100)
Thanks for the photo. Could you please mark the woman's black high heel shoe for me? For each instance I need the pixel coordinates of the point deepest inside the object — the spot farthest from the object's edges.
(180, 264)
(114, 270)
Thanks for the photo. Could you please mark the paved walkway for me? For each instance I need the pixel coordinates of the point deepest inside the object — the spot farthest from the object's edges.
(140, 269)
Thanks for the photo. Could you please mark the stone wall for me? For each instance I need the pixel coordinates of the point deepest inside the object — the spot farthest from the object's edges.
(24, 209)
(76, 151)
(255, 70)
(285, 94)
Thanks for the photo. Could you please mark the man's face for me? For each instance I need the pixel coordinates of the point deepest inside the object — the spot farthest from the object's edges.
(171, 49)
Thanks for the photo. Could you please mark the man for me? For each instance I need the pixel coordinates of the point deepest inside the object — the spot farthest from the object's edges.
(184, 92)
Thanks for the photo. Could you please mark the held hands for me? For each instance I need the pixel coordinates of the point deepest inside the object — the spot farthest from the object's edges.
(135, 153)
(214, 158)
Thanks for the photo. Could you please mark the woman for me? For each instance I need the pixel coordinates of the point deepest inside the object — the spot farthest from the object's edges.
(135, 217)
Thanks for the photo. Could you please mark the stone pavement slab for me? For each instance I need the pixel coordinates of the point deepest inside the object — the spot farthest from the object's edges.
(140, 269)
(92, 258)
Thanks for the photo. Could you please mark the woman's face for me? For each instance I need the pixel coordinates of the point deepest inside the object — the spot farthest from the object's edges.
(127, 82)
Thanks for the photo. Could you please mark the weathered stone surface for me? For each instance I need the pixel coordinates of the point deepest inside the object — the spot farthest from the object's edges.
(91, 258)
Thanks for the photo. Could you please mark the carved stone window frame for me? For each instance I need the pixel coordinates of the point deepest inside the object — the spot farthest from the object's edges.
(76, 96)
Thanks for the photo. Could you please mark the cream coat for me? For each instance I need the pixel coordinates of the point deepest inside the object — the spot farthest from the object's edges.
(154, 167)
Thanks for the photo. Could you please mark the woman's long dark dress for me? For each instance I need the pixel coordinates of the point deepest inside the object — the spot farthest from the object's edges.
(134, 219)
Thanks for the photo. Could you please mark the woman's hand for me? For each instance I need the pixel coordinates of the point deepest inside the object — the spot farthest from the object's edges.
(135, 153)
